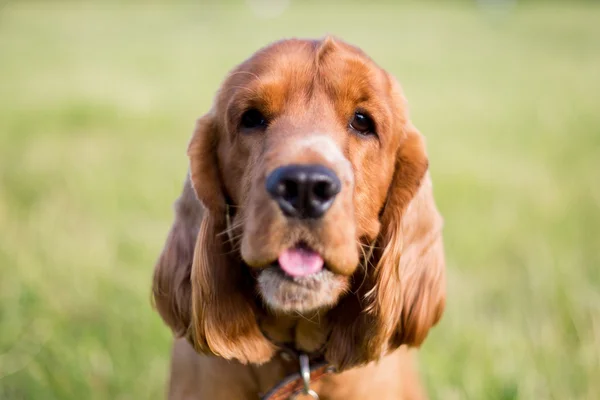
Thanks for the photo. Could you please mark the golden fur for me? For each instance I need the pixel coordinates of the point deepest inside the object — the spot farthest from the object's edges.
(381, 240)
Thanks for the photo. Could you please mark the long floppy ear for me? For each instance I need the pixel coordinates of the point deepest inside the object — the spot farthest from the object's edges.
(403, 294)
(171, 288)
(223, 306)
(409, 293)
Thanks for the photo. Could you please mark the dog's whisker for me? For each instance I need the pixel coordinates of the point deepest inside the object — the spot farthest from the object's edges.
(304, 317)
(231, 228)
(235, 239)
(368, 246)
(366, 262)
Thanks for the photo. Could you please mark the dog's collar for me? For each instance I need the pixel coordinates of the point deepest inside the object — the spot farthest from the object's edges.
(299, 382)
(311, 367)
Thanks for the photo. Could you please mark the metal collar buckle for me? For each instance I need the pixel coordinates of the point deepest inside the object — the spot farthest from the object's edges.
(305, 373)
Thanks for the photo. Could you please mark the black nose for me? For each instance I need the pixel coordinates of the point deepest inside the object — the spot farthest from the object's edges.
(303, 191)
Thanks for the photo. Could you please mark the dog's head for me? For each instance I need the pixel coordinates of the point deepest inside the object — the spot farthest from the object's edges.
(305, 166)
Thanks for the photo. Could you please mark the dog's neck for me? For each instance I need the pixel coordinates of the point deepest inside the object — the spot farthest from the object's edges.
(305, 333)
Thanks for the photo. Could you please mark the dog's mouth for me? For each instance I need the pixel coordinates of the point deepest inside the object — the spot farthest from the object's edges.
(299, 280)
(300, 261)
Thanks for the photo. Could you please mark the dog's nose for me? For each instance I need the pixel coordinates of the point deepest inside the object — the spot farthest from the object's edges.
(303, 191)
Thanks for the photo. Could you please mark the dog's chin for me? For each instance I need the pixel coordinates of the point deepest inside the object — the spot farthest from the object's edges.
(287, 294)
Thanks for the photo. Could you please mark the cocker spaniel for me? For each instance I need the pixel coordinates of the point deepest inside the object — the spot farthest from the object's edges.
(306, 253)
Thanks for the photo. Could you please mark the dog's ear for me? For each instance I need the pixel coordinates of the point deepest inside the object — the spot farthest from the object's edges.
(403, 293)
(408, 296)
(223, 308)
(171, 289)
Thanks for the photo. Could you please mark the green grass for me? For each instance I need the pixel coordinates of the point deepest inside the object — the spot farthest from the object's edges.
(97, 105)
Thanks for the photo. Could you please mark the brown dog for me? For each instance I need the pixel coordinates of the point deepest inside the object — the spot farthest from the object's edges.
(315, 232)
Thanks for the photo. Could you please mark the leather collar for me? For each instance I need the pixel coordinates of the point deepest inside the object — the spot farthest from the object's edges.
(295, 384)
(311, 368)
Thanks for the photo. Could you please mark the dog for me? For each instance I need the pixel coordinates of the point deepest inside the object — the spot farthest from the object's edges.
(306, 254)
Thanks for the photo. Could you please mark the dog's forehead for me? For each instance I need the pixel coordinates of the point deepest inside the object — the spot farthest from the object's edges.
(301, 65)
(291, 53)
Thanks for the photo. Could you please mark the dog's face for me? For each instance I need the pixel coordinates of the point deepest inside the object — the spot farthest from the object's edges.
(306, 154)
(305, 167)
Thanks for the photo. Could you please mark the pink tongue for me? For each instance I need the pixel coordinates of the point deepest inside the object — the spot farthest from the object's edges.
(300, 262)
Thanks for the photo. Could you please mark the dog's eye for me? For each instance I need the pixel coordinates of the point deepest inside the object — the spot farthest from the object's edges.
(253, 119)
(362, 123)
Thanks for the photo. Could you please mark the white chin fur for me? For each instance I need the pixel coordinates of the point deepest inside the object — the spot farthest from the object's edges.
(301, 294)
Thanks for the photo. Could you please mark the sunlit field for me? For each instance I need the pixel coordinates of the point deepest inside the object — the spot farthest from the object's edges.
(97, 103)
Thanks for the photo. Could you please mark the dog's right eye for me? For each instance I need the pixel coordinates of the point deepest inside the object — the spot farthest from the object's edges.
(253, 119)
(363, 124)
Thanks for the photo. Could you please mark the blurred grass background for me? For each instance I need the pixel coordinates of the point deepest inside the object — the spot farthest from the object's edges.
(98, 101)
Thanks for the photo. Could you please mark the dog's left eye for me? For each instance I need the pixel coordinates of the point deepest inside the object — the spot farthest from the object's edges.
(253, 119)
(362, 123)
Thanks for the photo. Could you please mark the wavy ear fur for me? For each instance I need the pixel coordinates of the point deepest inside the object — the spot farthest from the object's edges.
(409, 293)
(404, 293)
(223, 314)
(171, 288)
